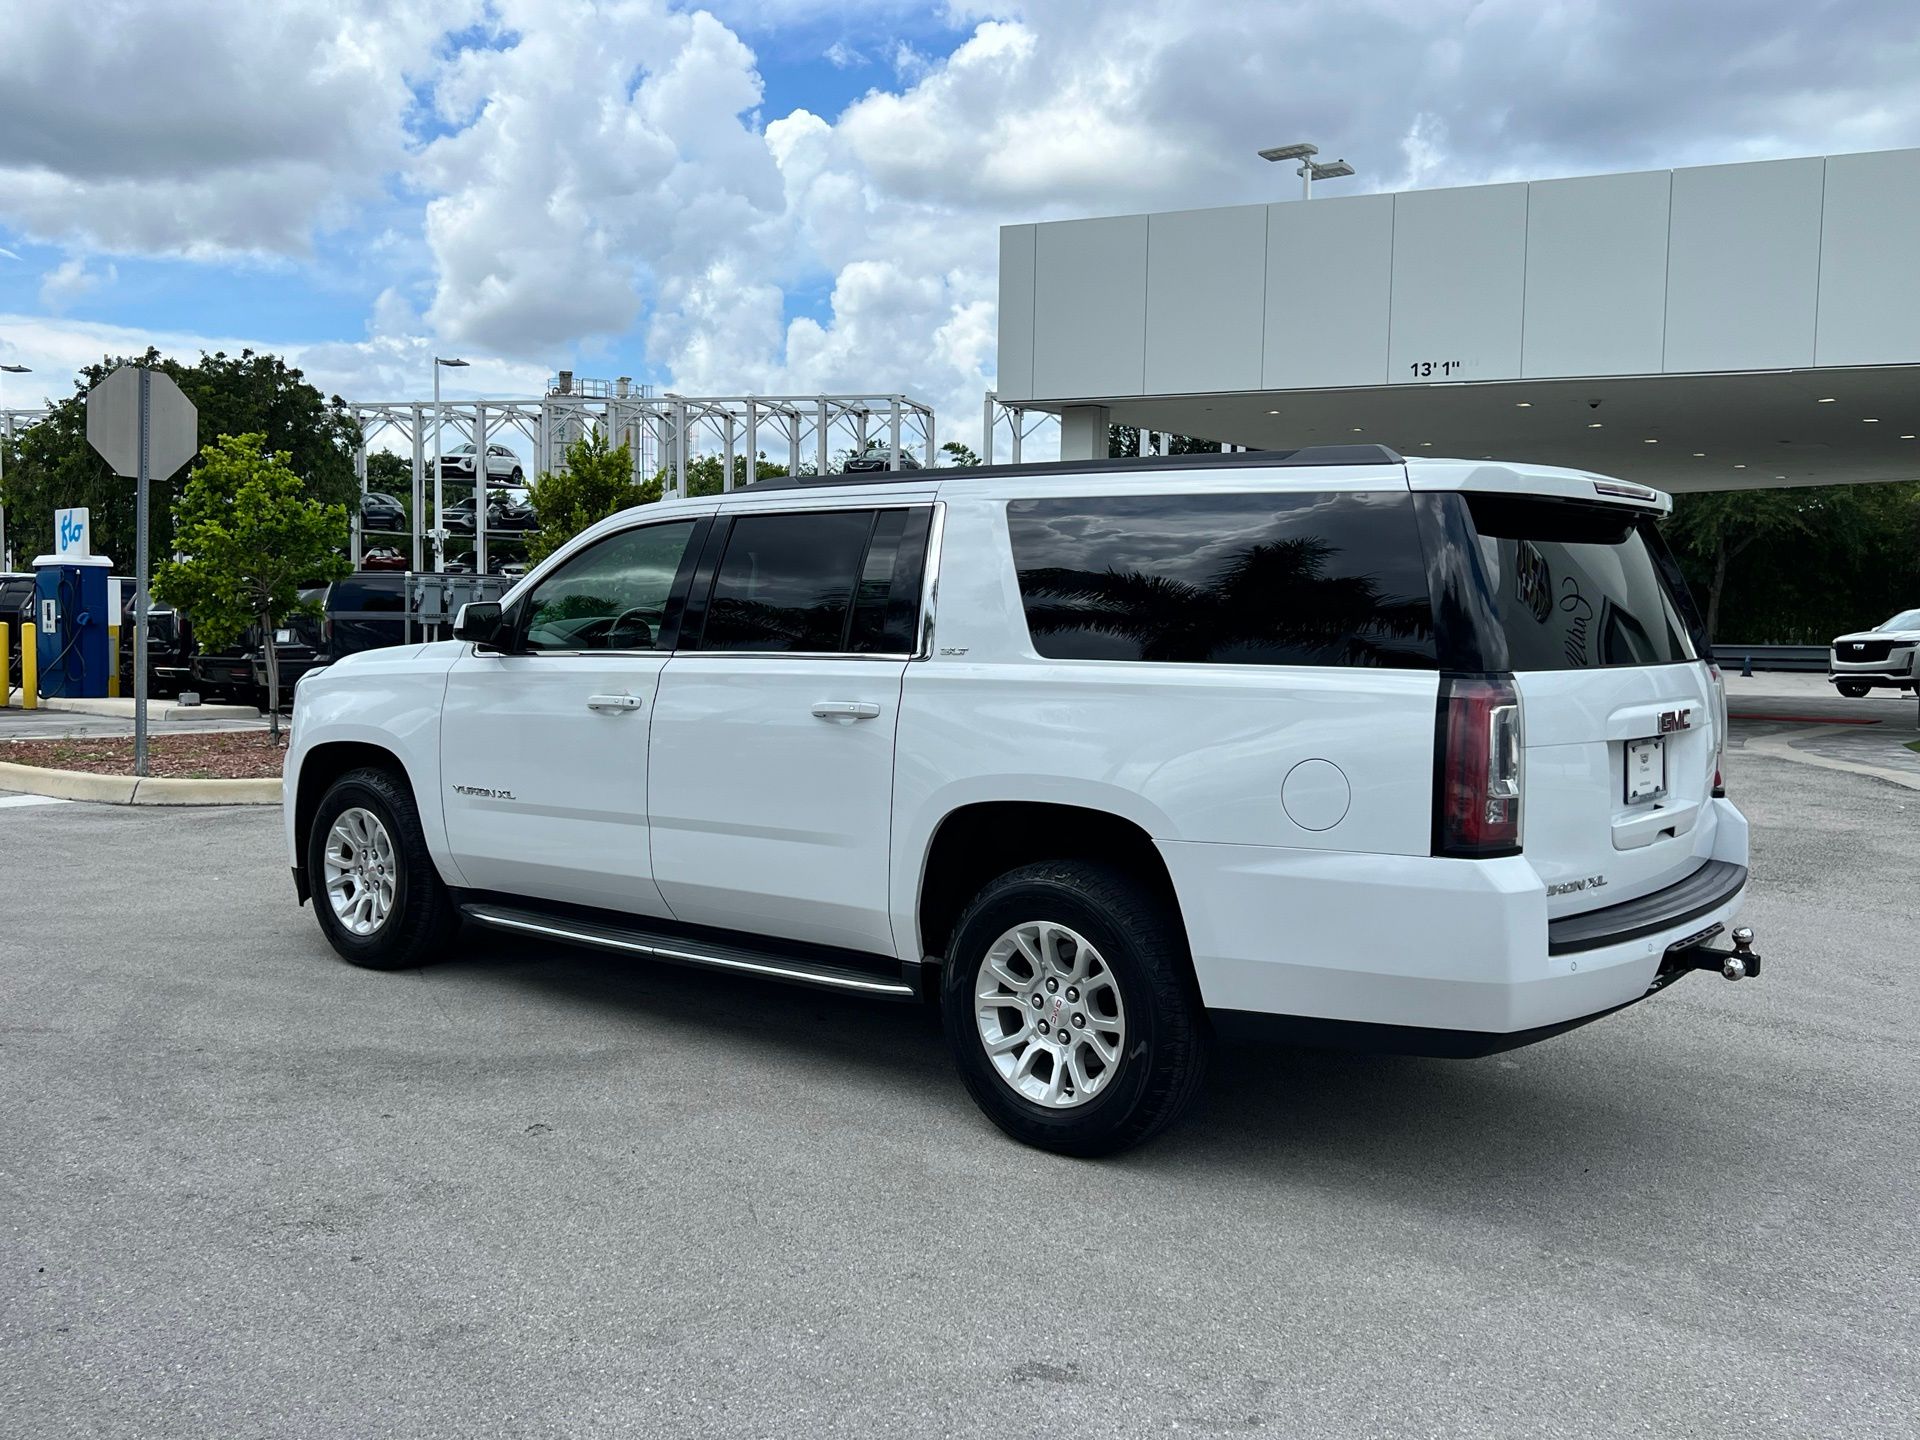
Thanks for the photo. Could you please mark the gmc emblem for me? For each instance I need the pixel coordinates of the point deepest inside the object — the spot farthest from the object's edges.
(1672, 720)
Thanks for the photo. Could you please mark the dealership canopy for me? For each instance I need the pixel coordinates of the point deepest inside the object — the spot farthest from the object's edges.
(1719, 327)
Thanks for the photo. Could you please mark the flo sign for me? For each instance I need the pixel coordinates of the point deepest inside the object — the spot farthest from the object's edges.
(145, 428)
(72, 532)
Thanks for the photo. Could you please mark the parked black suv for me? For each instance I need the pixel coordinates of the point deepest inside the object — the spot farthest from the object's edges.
(227, 675)
(296, 646)
(382, 514)
(365, 611)
(169, 645)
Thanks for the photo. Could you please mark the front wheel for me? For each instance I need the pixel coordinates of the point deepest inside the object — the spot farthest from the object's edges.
(1070, 1007)
(380, 902)
(1854, 692)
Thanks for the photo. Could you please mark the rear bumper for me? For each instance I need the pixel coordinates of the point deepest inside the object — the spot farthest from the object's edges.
(1451, 948)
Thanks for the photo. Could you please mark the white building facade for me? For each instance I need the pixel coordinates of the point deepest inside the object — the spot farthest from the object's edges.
(1706, 328)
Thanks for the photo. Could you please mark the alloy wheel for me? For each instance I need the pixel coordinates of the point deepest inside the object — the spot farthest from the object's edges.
(1049, 1014)
(361, 874)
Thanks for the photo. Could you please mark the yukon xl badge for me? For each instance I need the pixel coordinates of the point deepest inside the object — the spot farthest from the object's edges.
(481, 792)
(1571, 887)
(1672, 720)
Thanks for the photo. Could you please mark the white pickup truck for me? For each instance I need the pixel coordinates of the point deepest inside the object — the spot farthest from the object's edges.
(1103, 757)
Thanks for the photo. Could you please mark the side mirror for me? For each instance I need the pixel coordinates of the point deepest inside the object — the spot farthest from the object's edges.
(481, 623)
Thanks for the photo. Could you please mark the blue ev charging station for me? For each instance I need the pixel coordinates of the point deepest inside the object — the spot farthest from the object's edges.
(73, 610)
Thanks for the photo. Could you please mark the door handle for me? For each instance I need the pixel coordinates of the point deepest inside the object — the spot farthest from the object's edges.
(617, 704)
(845, 709)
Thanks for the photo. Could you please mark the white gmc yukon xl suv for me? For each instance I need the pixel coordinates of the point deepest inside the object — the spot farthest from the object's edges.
(1105, 757)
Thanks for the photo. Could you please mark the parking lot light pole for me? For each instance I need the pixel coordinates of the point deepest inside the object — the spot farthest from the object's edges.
(1310, 169)
(439, 465)
(6, 447)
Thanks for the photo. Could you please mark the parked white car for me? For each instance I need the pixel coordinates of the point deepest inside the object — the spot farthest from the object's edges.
(1106, 757)
(502, 464)
(1878, 659)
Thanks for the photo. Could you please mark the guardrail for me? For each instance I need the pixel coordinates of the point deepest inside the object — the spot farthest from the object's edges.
(1808, 659)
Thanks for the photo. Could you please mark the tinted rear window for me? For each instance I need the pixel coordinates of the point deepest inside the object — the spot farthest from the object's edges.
(1580, 586)
(1272, 579)
(359, 593)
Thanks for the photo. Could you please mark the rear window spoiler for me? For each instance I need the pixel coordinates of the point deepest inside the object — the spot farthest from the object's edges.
(1543, 481)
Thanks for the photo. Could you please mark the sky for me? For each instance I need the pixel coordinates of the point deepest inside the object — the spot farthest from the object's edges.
(782, 196)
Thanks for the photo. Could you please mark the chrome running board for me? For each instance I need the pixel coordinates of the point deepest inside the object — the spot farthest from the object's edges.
(682, 951)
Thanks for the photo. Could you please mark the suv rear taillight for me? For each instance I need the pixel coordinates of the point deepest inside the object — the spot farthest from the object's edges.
(1720, 727)
(1477, 768)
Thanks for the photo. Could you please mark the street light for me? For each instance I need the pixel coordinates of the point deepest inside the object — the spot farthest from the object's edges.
(6, 447)
(439, 466)
(1310, 169)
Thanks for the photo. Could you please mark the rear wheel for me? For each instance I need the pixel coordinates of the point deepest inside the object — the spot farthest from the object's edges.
(1854, 692)
(380, 902)
(1070, 1007)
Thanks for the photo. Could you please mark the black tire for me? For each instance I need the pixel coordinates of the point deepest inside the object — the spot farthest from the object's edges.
(422, 921)
(1854, 692)
(517, 476)
(1139, 937)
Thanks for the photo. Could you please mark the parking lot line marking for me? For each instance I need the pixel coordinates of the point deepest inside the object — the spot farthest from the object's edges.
(11, 802)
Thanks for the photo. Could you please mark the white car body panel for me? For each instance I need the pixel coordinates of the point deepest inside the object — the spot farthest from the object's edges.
(390, 699)
(543, 796)
(767, 817)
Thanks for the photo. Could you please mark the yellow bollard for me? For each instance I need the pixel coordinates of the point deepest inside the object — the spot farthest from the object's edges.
(113, 661)
(6, 665)
(30, 667)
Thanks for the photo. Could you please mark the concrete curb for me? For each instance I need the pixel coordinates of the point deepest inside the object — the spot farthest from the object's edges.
(127, 790)
(121, 708)
(1776, 747)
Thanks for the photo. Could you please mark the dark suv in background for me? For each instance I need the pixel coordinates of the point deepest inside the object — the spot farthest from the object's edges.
(169, 645)
(365, 611)
(296, 646)
(382, 514)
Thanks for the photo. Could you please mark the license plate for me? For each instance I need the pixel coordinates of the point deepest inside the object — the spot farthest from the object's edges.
(1646, 770)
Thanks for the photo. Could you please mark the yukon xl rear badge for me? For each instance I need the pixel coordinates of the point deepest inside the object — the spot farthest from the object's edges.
(1672, 720)
(1570, 887)
(481, 792)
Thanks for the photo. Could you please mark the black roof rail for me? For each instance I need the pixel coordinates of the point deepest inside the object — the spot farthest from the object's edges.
(1123, 465)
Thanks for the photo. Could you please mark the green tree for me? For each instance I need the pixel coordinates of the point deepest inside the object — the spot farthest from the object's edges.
(958, 454)
(704, 474)
(597, 482)
(1799, 565)
(248, 536)
(53, 466)
(1714, 530)
(391, 474)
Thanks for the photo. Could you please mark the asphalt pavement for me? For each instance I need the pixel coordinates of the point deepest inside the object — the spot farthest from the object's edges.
(246, 1190)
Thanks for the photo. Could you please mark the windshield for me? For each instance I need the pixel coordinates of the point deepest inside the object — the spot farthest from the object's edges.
(1905, 620)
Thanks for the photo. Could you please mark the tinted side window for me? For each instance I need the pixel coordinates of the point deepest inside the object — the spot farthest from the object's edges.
(787, 582)
(1581, 585)
(1275, 579)
(612, 595)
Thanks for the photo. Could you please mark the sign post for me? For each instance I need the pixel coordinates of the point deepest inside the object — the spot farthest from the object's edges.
(145, 428)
